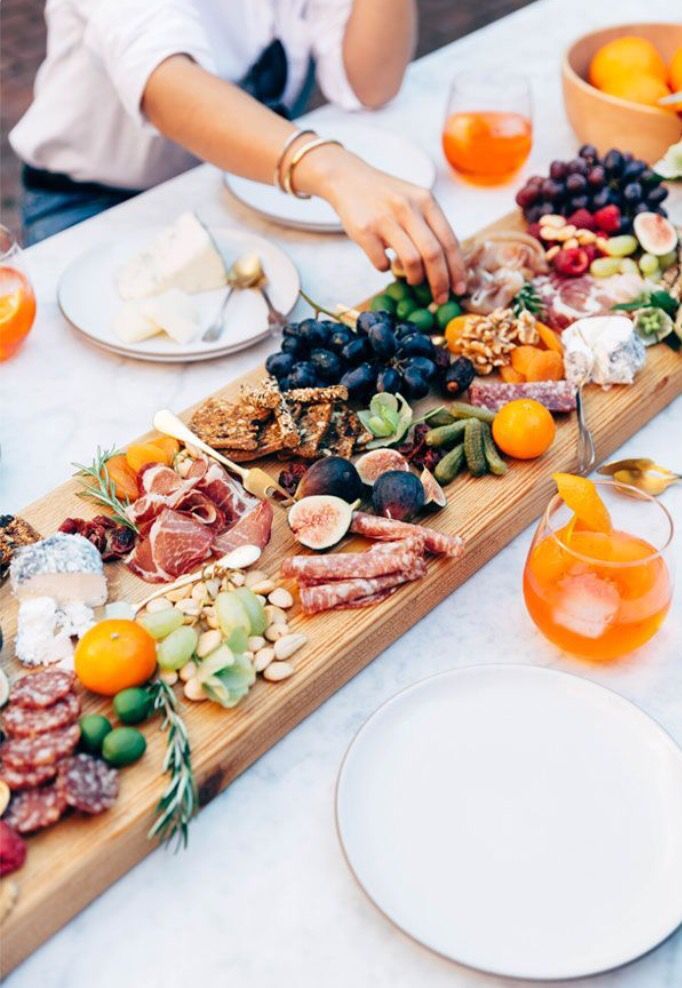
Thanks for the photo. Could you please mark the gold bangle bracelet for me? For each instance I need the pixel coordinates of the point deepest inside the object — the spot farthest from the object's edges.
(277, 182)
(287, 181)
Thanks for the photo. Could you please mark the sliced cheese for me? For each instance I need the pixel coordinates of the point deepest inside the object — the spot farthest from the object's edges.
(182, 256)
(131, 326)
(175, 313)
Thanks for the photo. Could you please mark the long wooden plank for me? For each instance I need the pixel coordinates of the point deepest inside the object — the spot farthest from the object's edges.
(75, 861)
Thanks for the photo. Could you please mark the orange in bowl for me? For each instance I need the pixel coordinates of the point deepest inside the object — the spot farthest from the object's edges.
(113, 655)
(675, 71)
(644, 89)
(625, 57)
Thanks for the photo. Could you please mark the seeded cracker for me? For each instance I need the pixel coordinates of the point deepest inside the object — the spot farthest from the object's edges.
(14, 533)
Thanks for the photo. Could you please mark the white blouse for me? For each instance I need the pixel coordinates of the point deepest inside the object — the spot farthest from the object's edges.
(85, 120)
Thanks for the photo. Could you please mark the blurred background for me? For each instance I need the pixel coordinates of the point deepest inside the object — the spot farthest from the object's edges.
(22, 47)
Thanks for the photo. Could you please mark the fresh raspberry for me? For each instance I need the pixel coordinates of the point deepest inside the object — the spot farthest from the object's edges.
(12, 849)
(608, 219)
(534, 230)
(592, 251)
(572, 262)
(583, 219)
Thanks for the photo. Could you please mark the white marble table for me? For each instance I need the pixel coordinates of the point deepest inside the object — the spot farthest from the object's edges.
(263, 896)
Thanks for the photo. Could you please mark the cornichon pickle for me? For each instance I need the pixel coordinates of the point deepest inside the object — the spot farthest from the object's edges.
(441, 417)
(462, 410)
(496, 464)
(123, 746)
(132, 705)
(473, 448)
(446, 435)
(447, 469)
(94, 729)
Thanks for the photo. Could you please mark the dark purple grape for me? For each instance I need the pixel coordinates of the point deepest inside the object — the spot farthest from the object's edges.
(589, 152)
(613, 162)
(660, 210)
(578, 202)
(382, 341)
(340, 337)
(381, 318)
(625, 224)
(388, 379)
(291, 329)
(535, 181)
(359, 381)
(327, 364)
(544, 208)
(633, 169)
(600, 199)
(533, 214)
(415, 386)
(357, 350)
(596, 177)
(526, 196)
(575, 184)
(641, 207)
(577, 167)
(417, 345)
(404, 329)
(615, 198)
(427, 368)
(294, 345)
(628, 156)
(279, 364)
(304, 375)
(649, 178)
(313, 332)
(656, 195)
(632, 193)
(552, 190)
(558, 170)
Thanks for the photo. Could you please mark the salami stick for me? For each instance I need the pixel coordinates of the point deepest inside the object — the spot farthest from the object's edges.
(387, 529)
(349, 565)
(326, 596)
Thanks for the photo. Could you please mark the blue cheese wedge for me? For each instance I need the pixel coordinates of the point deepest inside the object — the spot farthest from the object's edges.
(603, 350)
(182, 256)
(64, 567)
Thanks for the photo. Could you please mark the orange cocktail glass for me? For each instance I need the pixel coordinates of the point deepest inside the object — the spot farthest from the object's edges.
(488, 134)
(601, 595)
(17, 301)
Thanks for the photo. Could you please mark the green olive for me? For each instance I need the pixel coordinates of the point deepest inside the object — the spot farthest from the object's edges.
(123, 746)
(422, 319)
(382, 303)
(446, 312)
(405, 307)
(132, 705)
(422, 293)
(398, 290)
(94, 729)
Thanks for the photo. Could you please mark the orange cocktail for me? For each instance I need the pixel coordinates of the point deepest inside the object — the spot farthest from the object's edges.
(487, 133)
(601, 594)
(17, 301)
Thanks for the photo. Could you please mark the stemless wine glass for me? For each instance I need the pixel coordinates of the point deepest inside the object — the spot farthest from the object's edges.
(488, 133)
(601, 594)
(17, 301)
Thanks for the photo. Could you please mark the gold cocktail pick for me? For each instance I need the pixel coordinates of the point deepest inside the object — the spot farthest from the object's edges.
(642, 473)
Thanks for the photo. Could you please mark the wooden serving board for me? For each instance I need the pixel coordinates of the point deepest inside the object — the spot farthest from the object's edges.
(70, 864)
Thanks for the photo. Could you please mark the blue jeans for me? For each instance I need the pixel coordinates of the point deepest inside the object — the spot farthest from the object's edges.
(48, 211)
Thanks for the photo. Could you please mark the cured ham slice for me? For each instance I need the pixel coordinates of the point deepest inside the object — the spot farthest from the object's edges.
(176, 544)
(310, 570)
(387, 529)
(568, 299)
(253, 528)
(328, 596)
(498, 267)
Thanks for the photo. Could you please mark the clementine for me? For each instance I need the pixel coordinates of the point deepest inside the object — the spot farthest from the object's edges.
(644, 89)
(113, 655)
(524, 429)
(624, 57)
(675, 71)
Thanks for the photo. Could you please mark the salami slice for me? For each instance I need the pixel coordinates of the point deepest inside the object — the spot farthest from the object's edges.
(350, 565)
(29, 778)
(374, 598)
(43, 749)
(387, 529)
(35, 809)
(20, 722)
(326, 596)
(88, 784)
(557, 396)
(42, 689)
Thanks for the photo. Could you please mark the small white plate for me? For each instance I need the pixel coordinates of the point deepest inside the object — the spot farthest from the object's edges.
(518, 820)
(88, 298)
(381, 148)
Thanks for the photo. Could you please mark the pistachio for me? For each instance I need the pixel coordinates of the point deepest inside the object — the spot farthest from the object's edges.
(288, 644)
(277, 671)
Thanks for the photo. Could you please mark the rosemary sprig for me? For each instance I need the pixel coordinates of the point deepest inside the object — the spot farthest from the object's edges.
(180, 800)
(528, 300)
(103, 490)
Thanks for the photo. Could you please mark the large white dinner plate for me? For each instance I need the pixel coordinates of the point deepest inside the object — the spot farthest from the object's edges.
(384, 149)
(518, 820)
(88, 298)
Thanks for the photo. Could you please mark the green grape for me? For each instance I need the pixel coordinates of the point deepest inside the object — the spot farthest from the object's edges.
(621, 246)
(648, 264)
(231, 613)
(667, 260)
(604, 267)
(161, 623)
(177, 649)
(628, 266)
(254, 610)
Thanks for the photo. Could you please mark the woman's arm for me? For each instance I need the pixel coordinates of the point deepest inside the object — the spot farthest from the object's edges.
(219, 123)
(378, 44)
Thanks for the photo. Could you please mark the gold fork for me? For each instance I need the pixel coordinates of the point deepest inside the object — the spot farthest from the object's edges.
(255, 480)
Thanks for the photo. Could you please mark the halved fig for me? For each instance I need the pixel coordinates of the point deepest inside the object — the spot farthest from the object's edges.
(655, 233)
(332, 475)
(371, 465)
(320, 521)
(435, 498)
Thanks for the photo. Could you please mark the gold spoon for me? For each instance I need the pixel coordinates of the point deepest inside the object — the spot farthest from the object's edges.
(641, 473)
(245, 272)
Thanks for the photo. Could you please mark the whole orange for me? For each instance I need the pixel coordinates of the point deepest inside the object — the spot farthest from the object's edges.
(114, 655)
(524, 429)
(675, 71)
(626, 56)
(644, 89)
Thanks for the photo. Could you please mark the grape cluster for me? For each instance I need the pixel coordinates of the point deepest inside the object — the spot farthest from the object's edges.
(381, 354)
(590, 182)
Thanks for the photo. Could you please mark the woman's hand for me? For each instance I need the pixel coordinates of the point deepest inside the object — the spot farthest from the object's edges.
(381, 212)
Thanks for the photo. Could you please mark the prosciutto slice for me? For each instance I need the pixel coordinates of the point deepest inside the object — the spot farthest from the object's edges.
(253, 528)
(176, 544)
(568, 299)
(387, 529)
(344, 593)
(498, 267)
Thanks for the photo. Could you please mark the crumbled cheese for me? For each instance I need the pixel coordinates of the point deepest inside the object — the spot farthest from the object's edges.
(40, 641)
(64, 567)
(602, 349)
(75, 618)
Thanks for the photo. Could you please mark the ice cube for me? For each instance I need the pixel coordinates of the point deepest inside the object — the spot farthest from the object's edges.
(587, 604)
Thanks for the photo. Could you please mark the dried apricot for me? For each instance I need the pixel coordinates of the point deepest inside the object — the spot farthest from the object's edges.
(550, 339)
(170, 446)
(581, 496)
(139, 454)
(522, 356)
(524, 429)
(122, 477)
(511, 376)
(456, 327)
(546, 365)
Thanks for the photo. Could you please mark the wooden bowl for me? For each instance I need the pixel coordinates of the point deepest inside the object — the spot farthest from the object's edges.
(608, 121)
